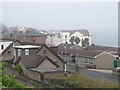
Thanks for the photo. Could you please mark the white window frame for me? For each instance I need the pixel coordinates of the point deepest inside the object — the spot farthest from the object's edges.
(27, 52)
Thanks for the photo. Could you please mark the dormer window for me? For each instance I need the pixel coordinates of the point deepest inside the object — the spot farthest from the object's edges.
(26, 51)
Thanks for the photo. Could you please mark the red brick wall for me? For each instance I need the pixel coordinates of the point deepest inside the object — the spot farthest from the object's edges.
(40, 39)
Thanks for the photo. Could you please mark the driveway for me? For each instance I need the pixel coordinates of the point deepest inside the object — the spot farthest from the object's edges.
(105, 74)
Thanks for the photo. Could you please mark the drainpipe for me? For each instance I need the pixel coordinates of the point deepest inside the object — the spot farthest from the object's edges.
(65, 69)
(14, 53)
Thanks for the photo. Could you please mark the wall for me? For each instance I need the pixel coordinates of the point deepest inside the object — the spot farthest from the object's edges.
(37, 39)
(55, 40)
(105, 61)
(80, 61)
(77, 34)
(35, 83)
(5, 44)
(46, 64)
(63, 34)
(29, 73)
(6, 54)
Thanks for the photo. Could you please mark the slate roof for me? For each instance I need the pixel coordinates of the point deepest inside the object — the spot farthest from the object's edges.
(83, 31)
(34, 34)
(34, 62)
(102, 48)
(56, 54)
(77, 47)
(32, 43)
(54, 49)
(81, 52)
(45, 70)
(63, 45)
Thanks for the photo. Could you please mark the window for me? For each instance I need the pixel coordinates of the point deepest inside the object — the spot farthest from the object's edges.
(33, 40)
(19, 52)
(81, 59)
(55, 61)
(2, 47)
(85, 60)
(14, 52)
(65, 36)
(26, 51)
(9, 52)
(45, 52)
(73, 59)
(91, 61)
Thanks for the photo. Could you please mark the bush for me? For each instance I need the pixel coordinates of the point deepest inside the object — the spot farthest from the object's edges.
(19, 68)
(80, 81)
(8, 81)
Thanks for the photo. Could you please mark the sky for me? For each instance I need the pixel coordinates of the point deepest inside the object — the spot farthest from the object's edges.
(99, 18)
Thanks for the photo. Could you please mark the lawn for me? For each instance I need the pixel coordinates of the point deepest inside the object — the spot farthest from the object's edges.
(80, 81)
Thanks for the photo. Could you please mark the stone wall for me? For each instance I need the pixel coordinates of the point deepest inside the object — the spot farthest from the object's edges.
(9, 70)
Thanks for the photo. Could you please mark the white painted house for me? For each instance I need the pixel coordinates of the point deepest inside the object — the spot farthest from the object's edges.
(54, 39)
(65, 36)
(82, 34)
(4, 44)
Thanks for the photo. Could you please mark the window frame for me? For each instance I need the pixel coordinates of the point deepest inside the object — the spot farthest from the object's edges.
(27, 52)
(19, 52)
(2, 47)
(86, 60)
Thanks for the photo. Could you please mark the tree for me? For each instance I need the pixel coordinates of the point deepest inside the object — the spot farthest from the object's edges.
(72, 39)
(77, 40)
(8, 81)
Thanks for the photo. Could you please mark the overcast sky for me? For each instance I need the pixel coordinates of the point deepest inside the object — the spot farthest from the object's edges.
(101, 19)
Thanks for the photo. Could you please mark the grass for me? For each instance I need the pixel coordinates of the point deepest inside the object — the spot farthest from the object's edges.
(81, 81)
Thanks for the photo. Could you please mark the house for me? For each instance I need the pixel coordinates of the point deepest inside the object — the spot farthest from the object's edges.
(53, 39)
(88, 58)
(66, 35)
(38, 67)
(38, 61)
(102, 48)
(8, 54)
(4, 44)
(33, 37)
(47, 51)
